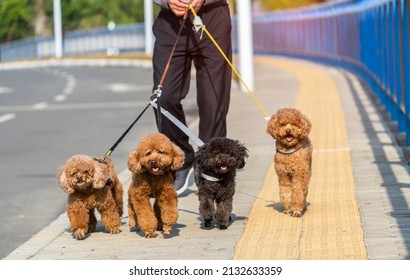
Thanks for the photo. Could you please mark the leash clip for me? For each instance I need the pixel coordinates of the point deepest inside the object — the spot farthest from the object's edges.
(157, 93)
(100, 160)
(198, 25)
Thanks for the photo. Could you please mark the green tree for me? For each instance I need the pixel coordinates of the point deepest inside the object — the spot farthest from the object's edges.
(26, 18)
(40, 22)
(16, 21)
(81, 14)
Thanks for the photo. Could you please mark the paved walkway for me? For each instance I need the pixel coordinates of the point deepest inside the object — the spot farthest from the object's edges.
(358, 199)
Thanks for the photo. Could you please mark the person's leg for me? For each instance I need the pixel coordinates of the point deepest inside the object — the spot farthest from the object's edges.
(177, 79)
(214, 73)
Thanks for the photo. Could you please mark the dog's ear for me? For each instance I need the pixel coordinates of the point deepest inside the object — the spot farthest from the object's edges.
(178, 157)
(200, 153)
(101, 174)
(62, 180)
(134, 162)
(272, 126)
(306, 126)
(241, 153)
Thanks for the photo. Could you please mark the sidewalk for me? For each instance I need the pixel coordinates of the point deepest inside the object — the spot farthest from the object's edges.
(358, 199)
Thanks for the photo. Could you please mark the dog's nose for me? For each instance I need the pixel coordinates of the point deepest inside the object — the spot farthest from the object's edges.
(153, 162)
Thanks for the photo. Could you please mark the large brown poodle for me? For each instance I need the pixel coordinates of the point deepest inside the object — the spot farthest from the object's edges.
(91, 184)
(293, 158)
(152, 164)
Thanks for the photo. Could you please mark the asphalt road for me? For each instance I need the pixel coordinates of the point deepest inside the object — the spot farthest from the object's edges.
(48, 114)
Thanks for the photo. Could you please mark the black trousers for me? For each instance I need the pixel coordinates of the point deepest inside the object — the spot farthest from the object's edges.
(213, 74)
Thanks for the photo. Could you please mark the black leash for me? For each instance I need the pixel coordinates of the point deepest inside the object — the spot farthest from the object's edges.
(108, 153)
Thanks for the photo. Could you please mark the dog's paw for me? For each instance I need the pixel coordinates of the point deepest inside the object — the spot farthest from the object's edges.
(150, 235)
(208, 222)
(132, 224)
(80, 233)
(222, 227)
(166, 229)
(296, 213)
(115, 231)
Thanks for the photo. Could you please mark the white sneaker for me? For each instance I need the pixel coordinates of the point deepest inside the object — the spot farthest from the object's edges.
(181, 179)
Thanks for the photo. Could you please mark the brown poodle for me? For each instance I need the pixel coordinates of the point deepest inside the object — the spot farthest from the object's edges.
(91, 184)
(152, 164)
(293, 158)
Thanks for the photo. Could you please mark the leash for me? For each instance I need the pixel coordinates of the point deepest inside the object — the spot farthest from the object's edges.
(158, 91)
(108, 153)
(153, 102)
(179, 124)
(199, 26)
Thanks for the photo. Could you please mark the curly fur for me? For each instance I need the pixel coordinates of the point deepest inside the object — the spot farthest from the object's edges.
(219, 158)
(85, 179)
(293, 159)
(152, 164)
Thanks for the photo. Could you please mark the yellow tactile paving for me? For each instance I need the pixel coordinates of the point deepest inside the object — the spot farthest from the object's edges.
(331, 228)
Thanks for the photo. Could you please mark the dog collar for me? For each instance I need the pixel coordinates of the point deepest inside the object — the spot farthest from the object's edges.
(210, 178)
(286, 152)
(110, 183)
(291, 151)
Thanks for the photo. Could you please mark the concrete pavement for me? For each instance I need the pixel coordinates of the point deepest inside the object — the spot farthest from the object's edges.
(358, 199)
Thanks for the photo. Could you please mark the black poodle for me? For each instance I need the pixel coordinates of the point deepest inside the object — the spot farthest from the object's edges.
(215, 170)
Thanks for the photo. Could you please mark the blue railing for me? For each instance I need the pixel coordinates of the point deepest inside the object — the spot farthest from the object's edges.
(122, 39)
(367, 37)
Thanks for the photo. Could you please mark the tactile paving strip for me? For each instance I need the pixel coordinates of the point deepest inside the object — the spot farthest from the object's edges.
(331, 227)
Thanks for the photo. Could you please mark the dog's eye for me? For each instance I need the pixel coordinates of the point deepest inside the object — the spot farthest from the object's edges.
(161, 151)
(147, 153)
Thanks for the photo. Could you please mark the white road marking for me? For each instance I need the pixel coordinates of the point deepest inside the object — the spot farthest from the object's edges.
(40, 106)
(124, 87)
(7, 117)
(80, 106)
(69, 85)
(60, 97)
(6, 90)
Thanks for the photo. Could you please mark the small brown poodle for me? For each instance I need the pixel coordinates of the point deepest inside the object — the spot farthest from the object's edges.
(152, 164)
(215, 171)
(293, 158)
(91, 184)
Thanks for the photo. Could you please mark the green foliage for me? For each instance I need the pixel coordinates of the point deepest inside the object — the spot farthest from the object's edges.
(17, 17)
(80, 14)
(15, 20)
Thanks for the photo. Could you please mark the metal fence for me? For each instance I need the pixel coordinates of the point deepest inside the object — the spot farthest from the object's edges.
(367, 37)
(122, 39)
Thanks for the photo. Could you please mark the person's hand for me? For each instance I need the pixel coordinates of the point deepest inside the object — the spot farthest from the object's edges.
(178, 7)
(197, 4)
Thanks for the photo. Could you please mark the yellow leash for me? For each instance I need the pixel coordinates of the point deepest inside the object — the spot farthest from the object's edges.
(267, 116)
